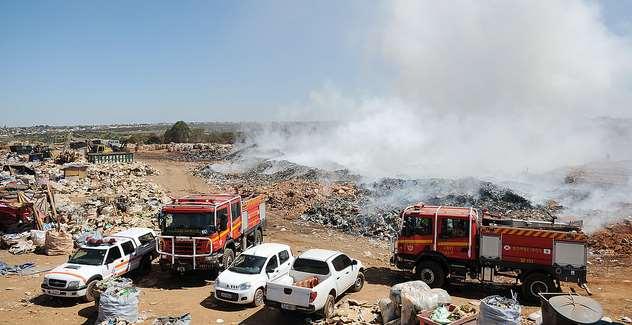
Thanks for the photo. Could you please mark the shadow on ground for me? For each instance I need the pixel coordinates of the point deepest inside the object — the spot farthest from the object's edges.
(169, 281)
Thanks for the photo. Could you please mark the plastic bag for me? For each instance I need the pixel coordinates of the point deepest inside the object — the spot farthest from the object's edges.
(415, 296)
(121, 303)
(387, 309)
(38, 237)
(181, 320)
(498, 310)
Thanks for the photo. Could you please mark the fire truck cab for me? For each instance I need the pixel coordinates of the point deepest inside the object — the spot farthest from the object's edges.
(206, 231)
(440, 243)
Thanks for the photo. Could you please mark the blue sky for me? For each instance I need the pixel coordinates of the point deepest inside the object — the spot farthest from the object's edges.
(68, 62)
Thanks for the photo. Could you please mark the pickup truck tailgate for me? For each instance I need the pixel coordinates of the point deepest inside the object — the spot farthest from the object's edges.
(288, 294)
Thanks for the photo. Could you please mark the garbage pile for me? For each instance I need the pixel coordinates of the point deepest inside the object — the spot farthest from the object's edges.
(169, 320)
(498, 310)
(343, 201)
(613, 240)
(199, 151)
(118, 301)
(109, 198)
(350, 311)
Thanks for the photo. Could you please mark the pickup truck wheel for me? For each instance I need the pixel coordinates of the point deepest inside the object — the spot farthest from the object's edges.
(227, 258)
(328, 309)
(432, 273)
(258, 237)
(359, 283)
(258, 298)
(536, 283)
(90, 291)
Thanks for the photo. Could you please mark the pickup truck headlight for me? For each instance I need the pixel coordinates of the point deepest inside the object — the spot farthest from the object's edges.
(244, 286)
(45, 282)
(218, 284)
(73, 284)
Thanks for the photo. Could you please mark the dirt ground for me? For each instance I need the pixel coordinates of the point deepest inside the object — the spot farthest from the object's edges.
(164, 294)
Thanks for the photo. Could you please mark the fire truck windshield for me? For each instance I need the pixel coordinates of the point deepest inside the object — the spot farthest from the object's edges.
(178, 222)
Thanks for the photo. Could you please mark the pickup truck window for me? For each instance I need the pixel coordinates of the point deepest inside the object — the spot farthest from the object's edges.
(341, 262)
(272, 264)
(87, 256)
(128, 247)
(248, 264)
(283, 257)
(311, 266)
(146, 238)
(113, 254)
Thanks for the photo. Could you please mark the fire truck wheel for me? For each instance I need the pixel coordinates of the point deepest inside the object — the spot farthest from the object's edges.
(258, 298)
(535, 284)
(432, 273)
(359, 283)
(258, 237)
(227, 258)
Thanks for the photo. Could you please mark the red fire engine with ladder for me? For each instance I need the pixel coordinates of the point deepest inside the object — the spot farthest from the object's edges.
(441, 243)
(206, 231)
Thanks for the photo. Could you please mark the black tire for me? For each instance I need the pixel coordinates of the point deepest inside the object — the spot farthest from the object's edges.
(536, 283)
(359, 283)
(432, 273)
(90, 291)
(258, 237)
(145, 266)
(328, 309)
(227, 258)
(258, 298)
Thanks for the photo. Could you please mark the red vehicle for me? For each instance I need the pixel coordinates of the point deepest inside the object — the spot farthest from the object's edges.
(441, 243)
(206, 231)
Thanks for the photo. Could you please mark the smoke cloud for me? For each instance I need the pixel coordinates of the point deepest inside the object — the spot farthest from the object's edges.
(493, 89)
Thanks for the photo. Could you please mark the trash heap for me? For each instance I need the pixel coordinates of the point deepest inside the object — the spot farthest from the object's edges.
(108, 197)
(498, 310)
(199, 151)
(350, 311)
(614, 240)
(118, 301)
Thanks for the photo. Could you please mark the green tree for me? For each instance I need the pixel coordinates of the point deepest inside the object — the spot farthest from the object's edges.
(198, 135)
(178, 133)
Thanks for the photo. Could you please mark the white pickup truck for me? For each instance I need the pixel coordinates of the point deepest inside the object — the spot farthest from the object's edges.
(315, 280)
(125, 251)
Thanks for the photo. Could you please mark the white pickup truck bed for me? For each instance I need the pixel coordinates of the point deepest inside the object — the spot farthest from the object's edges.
(316, 279)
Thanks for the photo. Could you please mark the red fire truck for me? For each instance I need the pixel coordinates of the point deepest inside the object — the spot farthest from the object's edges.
(206, 231)
(441, 243)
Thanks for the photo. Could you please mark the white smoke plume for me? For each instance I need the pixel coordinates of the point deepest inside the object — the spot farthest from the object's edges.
(490, 89)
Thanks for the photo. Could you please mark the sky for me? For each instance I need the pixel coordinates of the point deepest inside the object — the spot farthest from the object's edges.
(89, 62)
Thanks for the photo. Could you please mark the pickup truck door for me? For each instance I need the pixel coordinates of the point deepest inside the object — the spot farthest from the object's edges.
(133, 255)
(345, 273)
(115, 262)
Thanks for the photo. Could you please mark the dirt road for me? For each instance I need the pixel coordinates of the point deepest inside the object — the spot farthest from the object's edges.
(163, 294)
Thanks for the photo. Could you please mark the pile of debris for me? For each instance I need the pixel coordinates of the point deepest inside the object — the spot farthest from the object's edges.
(199, 151)
(103, 197)
(351, 311)
(614, 240)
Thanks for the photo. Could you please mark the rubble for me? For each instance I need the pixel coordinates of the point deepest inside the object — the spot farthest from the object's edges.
(110, 197)
(614, 240)
(349, 311)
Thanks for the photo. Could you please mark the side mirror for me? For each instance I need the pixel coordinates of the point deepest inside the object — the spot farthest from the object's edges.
(354, 262)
